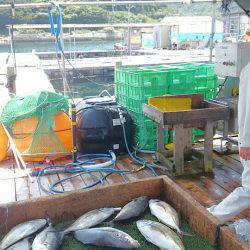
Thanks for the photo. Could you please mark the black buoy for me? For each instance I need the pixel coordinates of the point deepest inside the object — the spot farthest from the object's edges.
(99, 129)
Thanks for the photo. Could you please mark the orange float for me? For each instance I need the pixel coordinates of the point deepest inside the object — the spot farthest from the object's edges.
(23, 134)
(3, 143)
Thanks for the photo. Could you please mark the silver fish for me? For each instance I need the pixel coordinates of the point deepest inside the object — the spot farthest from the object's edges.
(22, 231)
(91, 218)
(165, 214)
(160, 235)
(133, 208)
(48, 239)
(20, 245)
(106, 236)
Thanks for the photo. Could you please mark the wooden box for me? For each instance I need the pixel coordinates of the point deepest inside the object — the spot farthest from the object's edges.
(69, 206)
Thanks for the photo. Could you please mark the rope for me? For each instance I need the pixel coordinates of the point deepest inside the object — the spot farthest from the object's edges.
(56, 31)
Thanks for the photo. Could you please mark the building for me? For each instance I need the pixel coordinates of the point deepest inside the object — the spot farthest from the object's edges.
(192, 27)
(186, 32)
(235, 22)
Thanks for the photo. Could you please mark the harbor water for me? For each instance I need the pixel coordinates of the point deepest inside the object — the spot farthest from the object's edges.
(50, 46)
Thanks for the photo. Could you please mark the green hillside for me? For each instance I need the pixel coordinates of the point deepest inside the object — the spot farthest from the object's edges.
(96, 14)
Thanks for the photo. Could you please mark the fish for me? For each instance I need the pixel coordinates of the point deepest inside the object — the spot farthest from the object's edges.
(165, 214)
(20, 245)
(133, 209)
(22, 231)
(160, 235)
(91, 219)
(106, 237)
(48, 239)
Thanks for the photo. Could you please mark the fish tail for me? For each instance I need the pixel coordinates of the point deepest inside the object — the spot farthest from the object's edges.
(182, 233)
(47, 218)
(109, 223)
(62, 234)
(65, 232)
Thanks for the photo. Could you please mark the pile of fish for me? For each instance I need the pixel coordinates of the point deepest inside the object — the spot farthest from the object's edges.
(46, 237)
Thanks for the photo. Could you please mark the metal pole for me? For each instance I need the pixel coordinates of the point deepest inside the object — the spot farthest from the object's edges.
(212, 31)
(129, 41)
(73, 120)
(68, 3)
(75, 42)
(118, 65)
(70, 47)
(64, 76)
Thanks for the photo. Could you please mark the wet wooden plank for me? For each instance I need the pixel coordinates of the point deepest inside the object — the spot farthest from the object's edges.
(229, 162)
(198, 193)
(123, 165)
(112, 178)
(77, 182)
(235, 157)
(67, 185)
(224, 181)
(226, 171)
(34, 190)
(45, 183)
(213, 190)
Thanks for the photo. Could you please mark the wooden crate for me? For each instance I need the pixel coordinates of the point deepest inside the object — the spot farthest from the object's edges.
(70, 206)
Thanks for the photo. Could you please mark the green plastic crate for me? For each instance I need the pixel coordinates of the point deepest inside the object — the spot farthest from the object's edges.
(136, 84)
(139, 93)
(141, 136)
(206, 83)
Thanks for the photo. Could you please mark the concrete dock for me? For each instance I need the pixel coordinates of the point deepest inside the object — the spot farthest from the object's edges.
(30, 76)
(37, 72)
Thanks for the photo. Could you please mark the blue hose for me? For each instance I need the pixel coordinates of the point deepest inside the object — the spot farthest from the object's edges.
(135, 158)
(88, 166)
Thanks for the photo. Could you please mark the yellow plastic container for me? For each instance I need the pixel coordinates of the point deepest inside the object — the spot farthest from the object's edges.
(3, 143)
(170, 103)
(23, 132)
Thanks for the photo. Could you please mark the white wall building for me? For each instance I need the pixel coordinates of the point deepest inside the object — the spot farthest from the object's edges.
(236, 22)
(192, 24)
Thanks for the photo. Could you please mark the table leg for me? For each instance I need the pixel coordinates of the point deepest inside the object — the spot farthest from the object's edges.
(160, 138)
(179, 149)
(208, 147)
(187, 141)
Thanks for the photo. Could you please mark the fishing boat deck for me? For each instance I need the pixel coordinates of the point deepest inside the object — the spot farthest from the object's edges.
(206, 190)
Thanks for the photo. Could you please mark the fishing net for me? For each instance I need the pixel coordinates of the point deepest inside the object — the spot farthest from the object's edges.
(31, 122)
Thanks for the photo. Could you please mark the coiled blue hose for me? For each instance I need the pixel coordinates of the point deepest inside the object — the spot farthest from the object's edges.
(89, 166)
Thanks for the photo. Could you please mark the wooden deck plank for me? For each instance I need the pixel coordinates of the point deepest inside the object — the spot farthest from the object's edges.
(235, 157)
(67, 185)
(21, 186)
(224, 181)
(22, 189)
(77, 182)
(7, 186)
(226, 171)
(213, 190)
(229, 162)
(123, 165)
(45, 183)
(34, 190)
(207, 191)
(198, 193)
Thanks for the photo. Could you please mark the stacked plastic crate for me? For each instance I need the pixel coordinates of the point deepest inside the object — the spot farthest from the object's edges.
(135, 85)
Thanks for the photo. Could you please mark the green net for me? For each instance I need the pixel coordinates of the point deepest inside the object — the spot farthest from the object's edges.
(44, 106)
